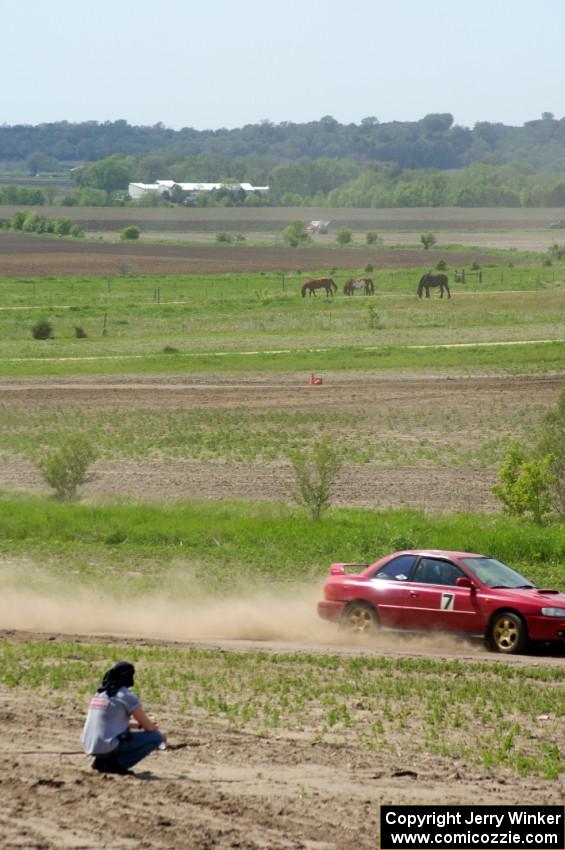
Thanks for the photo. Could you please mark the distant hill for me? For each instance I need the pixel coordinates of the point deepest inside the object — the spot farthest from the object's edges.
(431, 142)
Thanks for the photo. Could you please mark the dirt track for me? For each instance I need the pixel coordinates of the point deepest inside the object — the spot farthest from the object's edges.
(422, 402)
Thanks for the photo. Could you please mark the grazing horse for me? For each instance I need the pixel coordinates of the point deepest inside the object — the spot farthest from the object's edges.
(364, 283)
(433, 280)
(311, 286)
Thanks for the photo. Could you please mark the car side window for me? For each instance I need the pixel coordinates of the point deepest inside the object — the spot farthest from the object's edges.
(396, 570)
(436, 571)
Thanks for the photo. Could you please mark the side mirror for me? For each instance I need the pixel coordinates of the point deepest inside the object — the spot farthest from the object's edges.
(463, 581)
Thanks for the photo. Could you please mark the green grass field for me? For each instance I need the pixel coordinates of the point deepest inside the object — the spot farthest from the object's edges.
(260, 323)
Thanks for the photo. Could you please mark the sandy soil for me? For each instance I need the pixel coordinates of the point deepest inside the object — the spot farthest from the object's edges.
(426, 486)
(222, 789)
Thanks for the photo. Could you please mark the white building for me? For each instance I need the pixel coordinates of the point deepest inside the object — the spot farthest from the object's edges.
(138, 190)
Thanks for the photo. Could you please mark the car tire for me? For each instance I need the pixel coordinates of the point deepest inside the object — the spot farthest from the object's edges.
(359, 618)
(507, 633)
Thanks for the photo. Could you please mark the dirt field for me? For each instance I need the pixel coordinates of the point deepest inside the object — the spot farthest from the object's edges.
(226, 789)
(28, 256)
(426, 485)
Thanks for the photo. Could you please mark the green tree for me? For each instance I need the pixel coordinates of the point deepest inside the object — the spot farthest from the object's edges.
(428, 240)
(525, 483)
(372, 238)
(295, 233)
(65, 468)
(38, 161)
(315, 475)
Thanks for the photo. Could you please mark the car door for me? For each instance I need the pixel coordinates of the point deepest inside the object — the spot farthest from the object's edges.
(434, 601)
(387, 589)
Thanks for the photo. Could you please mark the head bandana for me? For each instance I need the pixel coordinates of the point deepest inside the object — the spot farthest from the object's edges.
(120, 676)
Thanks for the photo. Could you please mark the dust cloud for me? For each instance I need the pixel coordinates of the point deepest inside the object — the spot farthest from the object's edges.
(280, 614)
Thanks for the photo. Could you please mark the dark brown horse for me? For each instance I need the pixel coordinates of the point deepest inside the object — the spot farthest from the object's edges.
(429, 279)
(361, 283)
(311, 286)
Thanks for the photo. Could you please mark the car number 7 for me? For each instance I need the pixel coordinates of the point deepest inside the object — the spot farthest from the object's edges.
(447, 601)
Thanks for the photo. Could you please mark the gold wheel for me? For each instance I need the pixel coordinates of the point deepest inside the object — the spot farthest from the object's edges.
(508, 633)
(360, 619)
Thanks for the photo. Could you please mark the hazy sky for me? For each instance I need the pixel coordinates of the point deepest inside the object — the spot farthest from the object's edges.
(226, 63)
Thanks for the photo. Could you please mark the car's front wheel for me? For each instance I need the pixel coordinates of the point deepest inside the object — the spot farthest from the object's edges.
(507, 633)
(359, 618)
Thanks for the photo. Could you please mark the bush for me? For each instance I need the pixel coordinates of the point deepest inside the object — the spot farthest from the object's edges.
(372, 238)
(131, 232)
(65, 469)
(77, 231)
(428, 240)
(222, 236)
(369, 268)
(315, 475)
(344, 236)
(525, 482)
(63, 225)
(80, 332)
(295, 234)
(441, 265)
(42, 329)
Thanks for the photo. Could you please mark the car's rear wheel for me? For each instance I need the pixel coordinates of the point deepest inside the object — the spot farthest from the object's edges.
(359, 618)
(508, 633)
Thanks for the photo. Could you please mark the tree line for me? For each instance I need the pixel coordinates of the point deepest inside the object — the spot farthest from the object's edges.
(433, 141)
(319, 183)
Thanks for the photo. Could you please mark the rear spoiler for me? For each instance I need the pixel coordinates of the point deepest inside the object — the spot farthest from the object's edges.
(339, 569)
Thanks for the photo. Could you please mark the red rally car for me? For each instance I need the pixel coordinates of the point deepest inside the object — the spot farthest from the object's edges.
(457, 592)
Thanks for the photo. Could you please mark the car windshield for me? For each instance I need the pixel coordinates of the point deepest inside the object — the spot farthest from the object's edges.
(495, 574)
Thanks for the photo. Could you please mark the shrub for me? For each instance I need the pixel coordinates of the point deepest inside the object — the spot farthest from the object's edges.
(344, 236)
(63, 225)
(428, 240)
(369, 268)
(374, 317)
(65, 469)
(222, 236)
(80, 332)
(441, 265)
(524, 486)
(131, 232)
(42, 329)
(315, 475)
(372, 238)
(475, 267)
(239, 237)
(77, 231)
(295, 233)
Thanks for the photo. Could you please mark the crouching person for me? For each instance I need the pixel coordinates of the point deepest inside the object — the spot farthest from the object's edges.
(106, 734)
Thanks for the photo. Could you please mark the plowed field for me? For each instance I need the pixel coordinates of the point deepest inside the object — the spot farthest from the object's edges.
(28, 256)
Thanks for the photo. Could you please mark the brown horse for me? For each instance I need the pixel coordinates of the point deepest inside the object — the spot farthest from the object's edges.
(433, 280)
(364, 283)
(311, 286)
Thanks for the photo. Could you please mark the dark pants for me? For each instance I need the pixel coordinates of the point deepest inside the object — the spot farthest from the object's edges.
(134, 746)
